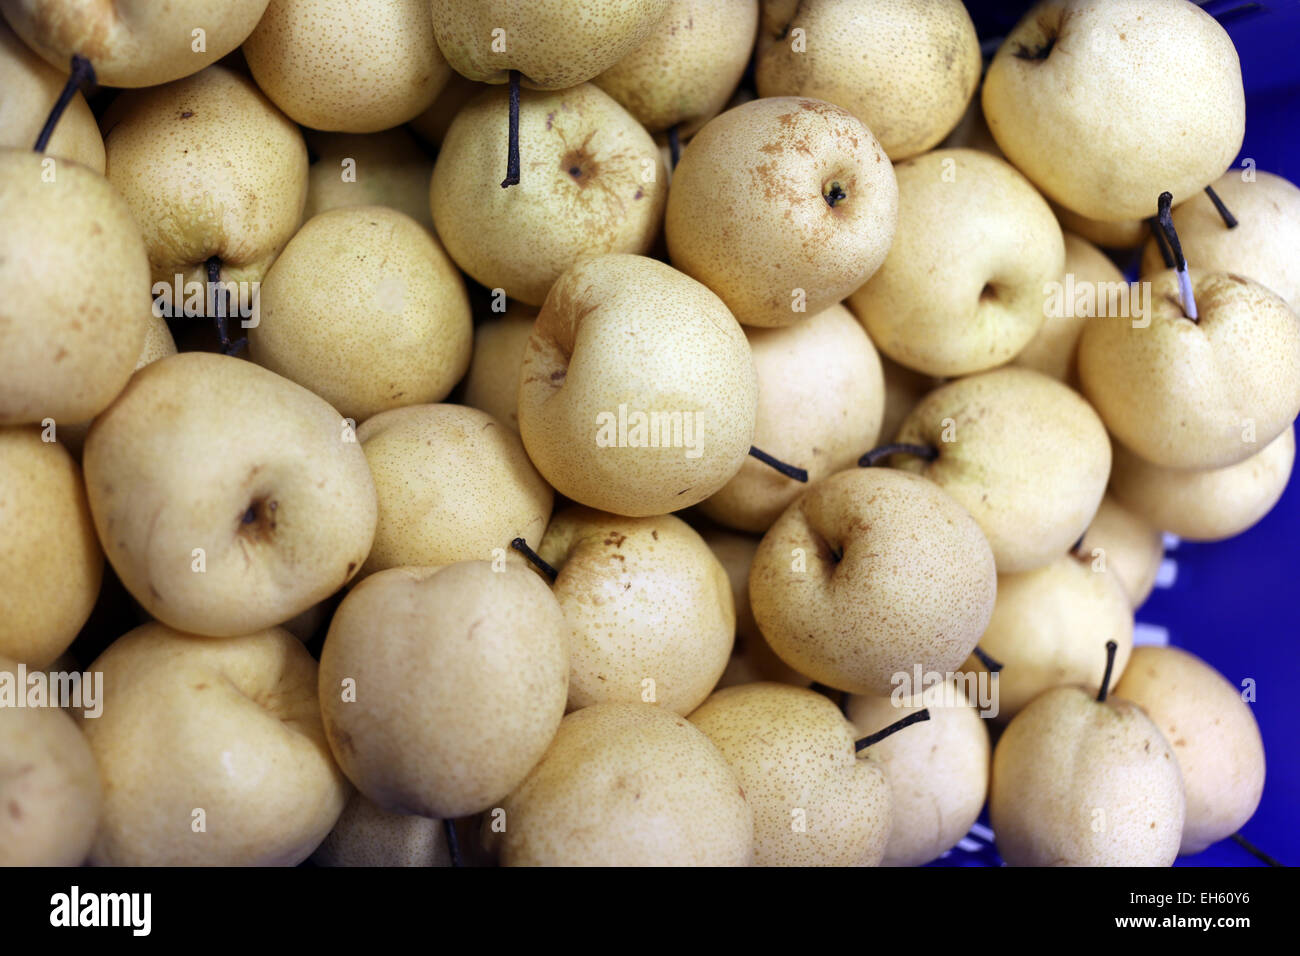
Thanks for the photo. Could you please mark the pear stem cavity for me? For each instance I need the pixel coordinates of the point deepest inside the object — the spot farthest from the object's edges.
(520, 545)
(1111, 648)
(674, 145)
(81, 72)
(453, 844)
(895, 727)
(991, 664)
(834, 194)
(1229, 219)
(790, 471)
(1165, 218)
(512, 159)
(873, 457)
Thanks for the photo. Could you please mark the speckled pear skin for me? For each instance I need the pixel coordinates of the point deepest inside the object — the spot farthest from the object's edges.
(821, 397)
(1213, 735)
(748, 213)
(348, 66)
(76, 290)
(368, 836)
(962, 289)
(634, 332)
(647, 600)
(230, 726)
(391, 169)
(454, 484)
(688, 66)
(1132, 547)
(283, 506)
(49, 553)
(500, 343)
(49, 786)
(591, 182)
(1081, 783)
(938, 769)
(816, 803)
(1184, 394)
(1024, 454)
(133, 43)
(906, 71)
(1050, 627)
(365, 308)
(629, 785)
(1206, 505)
(1050, 94)
(870, 573)
(461, 674)
(209, 167)
(554, 44)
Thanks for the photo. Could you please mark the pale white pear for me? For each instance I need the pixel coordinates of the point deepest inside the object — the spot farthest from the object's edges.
(500, 343)
(1124, 541)
(373, 169)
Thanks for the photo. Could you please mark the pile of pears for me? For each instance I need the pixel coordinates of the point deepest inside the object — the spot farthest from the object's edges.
(663, 502)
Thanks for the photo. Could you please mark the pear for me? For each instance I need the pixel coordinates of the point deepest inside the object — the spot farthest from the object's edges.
(454, 484)
(49, 783)
(28, 88)
(1261, 246)
(1214, 737)
(593, 183)
(689, 65)
(377, 169)
(650, 607)
(1203, 393)
(554, 44)
(1207, 505)
(223, 731)
(638, 393)
(820, 404)
(870, 573)
(1125, 234)
(815, 803)
(182, 156)
(442, 687)
(134, 44)
(49, 554)
(782, 206)
(628, 785)
(76, 280)
(938, 771)
(228, 498)
(432, 125)
(1024, 454)
(347, 66)
(368, 836)
(1080, 779)
(904, 388)
(1052, 350)
(1047, 625)
(500, 343)
(1051, 91)
(1127, 543)
(364, 308)
(962, 288)
(906, 70)
(972, 132)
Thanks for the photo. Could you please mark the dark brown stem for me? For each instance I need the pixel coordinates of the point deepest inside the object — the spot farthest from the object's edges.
(520, 545)
(1165, 217)
(871, 458)
(993, 665)
(1111, 648)
(1229, 219)
(453, 842)
(81, 72)
(790, 471)
(1255, 851)
(218, 312)
(895, 727)
(512, 159)
(674, 145)
(1161, 243)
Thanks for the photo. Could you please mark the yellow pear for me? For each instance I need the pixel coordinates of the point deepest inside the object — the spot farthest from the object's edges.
(432, 124)
(782, 206)
(1125, 234)
(442, 687)
(454, 484)
(1127, 543)
(906, 70)
(820, 403)
(638, 392)
(628, 785)
(368, 836)
(650, 607)
(500, 343)
(1213, 736)
(376, 169)
(904, 388)
(962, 287)
(364, 308)
(815, 803)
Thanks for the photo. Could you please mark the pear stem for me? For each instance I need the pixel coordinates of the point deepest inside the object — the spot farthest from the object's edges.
(512, 158)
(674, 145)
(453, 843)
(1229, 219)
(992, 664)
(1161, 243)
(895, 727)
(219, 313)
(81, 72)
(1111, 648)
(1253, 850)
(520, 545)
(1166, 220)
(873, 457)
(790, 471)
